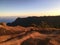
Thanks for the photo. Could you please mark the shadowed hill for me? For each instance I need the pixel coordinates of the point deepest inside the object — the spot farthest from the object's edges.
(53, 21)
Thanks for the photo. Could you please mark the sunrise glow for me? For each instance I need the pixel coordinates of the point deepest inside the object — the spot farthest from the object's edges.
(29, 7)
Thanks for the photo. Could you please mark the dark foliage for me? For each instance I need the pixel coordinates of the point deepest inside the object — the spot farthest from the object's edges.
(36, 42)
(53, 21)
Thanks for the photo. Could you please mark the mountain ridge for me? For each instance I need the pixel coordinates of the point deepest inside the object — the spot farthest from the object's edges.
(52, 21)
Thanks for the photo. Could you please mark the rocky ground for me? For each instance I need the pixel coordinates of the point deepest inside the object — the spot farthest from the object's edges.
(29, 36)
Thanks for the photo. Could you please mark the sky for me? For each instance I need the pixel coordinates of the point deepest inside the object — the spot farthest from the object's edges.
(29, 7)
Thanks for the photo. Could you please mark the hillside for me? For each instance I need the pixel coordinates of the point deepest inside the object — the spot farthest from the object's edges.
(51, 21)
(18, 35)
(31, 31)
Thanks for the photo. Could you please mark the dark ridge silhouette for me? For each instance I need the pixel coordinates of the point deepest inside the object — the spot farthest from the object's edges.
(52, 21)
